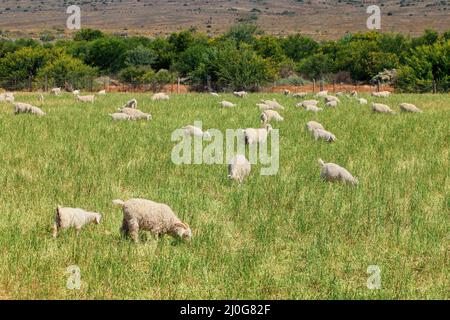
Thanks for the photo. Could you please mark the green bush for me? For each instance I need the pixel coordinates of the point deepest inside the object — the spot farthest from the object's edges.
(134, 75)
(159, 79)
(242, 58)
(424, 66)
(292, 81)
(66, 69)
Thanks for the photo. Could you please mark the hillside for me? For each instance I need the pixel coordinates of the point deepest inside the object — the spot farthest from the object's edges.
(320, 19)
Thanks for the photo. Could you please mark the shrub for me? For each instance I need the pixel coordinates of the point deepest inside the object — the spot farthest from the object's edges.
(66, 69)
(159, 79)
(292, 81)
(134, 75)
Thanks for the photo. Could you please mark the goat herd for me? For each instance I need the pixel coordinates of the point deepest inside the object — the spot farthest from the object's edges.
(140, 214)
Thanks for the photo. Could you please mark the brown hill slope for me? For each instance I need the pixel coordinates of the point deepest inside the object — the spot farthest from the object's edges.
(321, 19)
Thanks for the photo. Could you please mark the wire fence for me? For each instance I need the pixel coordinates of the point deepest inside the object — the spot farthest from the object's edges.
(89, 84)
(93, 84)
(45, 84)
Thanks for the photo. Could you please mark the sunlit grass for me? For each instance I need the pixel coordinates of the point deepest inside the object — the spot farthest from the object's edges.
(285, 236)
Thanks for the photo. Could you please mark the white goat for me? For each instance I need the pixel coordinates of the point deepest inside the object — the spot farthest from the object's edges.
(381, 108)
(158, 218)
(307, 103)
(86, 99)
(270, 115)
(300, 95)
(324, 135)
(239, 168)
(73, 218)
(333, 172)
(313, 125)
(408, 107)
(160, 96)
(253, 136)
(332, 104)
(120, 117)
(55, 91)
(273, 104)
(133, 104)
(381, 94)
(313, 108)
(240, 94)
(362, 101)
(227, 104)
(136, 114)
(193, 131)
(322, 94)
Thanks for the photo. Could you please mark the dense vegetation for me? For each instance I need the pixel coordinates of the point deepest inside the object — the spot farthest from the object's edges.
(242, 58)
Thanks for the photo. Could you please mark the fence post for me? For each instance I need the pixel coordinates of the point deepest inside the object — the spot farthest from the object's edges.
(314, 85)
(91, 84)
(178, 85)
(321, 85)
(434, 86)
(334, 86)
(30, 83)
(378, 86)
(208, 82)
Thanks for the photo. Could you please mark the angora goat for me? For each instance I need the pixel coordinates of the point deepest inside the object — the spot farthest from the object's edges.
(332, 172)
(73, 218)
(158, 218)
(239, 168)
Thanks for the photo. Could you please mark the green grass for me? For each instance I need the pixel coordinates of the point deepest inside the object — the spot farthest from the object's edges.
(289, 236)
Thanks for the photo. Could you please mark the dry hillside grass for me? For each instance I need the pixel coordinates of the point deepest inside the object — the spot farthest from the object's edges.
(321, 19)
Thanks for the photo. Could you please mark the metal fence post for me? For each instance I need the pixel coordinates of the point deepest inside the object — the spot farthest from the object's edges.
(314, 85)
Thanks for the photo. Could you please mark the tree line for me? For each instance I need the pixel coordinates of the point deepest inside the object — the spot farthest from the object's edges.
(242, 58)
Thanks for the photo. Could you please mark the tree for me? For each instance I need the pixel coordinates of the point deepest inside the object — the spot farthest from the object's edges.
(243, 34)
(140, 56)
(298, 47)
(159, 80)
(424, 65)
(241, 68)
(9, 46)
(25, 62)
(190, 60)
(317, 66)
(269, 47)
(134, 74)
(88, 35)
(430, 37)
(67, 69)
(107, 54)
(165, 53)
(181, 41)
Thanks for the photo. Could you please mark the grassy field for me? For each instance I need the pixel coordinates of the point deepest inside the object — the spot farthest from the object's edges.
(289, 236)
